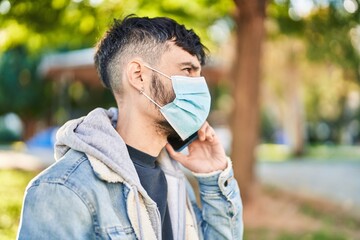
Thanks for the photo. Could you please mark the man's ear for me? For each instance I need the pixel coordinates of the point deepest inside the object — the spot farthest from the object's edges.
(134, 74)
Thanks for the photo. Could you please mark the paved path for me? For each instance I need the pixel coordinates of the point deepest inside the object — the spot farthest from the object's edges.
(338, 182)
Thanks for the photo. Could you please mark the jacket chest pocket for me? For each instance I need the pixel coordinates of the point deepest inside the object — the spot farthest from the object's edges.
(126, 233)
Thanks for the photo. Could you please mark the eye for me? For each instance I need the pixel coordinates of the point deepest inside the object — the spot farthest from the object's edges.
(188, 70)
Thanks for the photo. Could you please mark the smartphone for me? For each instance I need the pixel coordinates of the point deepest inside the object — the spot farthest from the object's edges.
(178, 144)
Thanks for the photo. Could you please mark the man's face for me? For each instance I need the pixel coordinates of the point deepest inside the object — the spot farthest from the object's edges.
(175, 61)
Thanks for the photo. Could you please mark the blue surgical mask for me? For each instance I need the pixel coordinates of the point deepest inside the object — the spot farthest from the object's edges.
(191, 106)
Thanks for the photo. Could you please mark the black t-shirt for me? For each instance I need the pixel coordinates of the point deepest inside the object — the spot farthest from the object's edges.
(153, 180)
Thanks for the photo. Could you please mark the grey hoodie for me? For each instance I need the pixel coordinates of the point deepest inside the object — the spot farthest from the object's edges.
(107, 146)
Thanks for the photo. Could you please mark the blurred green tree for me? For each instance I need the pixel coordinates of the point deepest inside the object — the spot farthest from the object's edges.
(30, 29)
(330, 30)
(22, 91)
(44, 26)
(330, 34)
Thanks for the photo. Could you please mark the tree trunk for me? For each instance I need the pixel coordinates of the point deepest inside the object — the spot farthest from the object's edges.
(246, 72)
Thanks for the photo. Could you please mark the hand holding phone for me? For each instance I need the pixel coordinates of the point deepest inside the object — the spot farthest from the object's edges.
(178, 144)
(206, 154)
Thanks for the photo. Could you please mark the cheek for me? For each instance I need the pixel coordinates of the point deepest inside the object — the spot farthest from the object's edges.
(167, 95)
(170, 96)
(171, 92)
(162, 93)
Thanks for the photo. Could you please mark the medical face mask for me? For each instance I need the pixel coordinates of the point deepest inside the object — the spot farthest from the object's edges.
(191, 106)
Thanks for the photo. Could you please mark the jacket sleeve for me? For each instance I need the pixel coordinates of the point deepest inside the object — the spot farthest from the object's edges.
(221, 213)
(54, 211)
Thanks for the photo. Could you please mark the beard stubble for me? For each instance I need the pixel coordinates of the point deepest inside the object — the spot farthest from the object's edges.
(161, 95)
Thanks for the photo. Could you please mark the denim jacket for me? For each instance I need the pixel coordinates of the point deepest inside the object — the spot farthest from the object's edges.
(87, 195)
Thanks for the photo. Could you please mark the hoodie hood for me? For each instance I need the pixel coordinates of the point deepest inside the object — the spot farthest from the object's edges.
(96, 136)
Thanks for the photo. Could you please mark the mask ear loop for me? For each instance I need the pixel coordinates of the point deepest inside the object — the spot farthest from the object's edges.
(143, 93)
(142, 89)
(157, 71)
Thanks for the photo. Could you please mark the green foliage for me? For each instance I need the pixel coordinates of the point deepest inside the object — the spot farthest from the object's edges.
(47, 25)
(12, 188)
(321, 48)
(326, 31)
(21, 90)
(328, 39)
(78, 99)
(286, 25)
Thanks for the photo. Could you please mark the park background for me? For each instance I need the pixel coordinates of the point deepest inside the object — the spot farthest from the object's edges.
(284, 77)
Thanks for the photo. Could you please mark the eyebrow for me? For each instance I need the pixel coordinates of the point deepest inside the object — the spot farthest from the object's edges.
(190, 64)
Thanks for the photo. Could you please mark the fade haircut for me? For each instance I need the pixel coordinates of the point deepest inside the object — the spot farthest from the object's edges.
(140, 37)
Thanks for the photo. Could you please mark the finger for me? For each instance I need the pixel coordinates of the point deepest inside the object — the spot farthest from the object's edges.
(178, 156)
(210, 134)
(202, 131)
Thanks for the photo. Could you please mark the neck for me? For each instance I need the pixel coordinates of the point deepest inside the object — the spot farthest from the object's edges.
(139, 132)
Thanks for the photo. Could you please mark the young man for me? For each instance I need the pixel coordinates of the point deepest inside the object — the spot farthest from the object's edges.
(116, 177)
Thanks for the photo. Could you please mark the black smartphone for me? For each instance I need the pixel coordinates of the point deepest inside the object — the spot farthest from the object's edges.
(178, 144)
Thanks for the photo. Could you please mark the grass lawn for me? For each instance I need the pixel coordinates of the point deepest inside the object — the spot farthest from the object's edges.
(12, 187)
(281, 217)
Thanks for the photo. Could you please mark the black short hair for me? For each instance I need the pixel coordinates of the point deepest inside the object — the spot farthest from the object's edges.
(138, 31)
